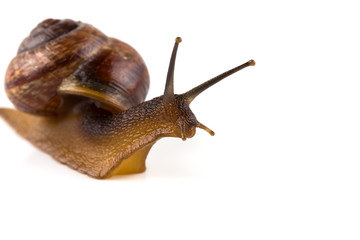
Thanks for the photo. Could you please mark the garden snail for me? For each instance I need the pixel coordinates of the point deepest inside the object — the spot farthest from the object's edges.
(81, 99)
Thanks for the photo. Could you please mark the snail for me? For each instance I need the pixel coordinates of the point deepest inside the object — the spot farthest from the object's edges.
(80, 99)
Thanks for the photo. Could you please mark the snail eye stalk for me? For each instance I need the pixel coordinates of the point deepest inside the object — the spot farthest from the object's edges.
(169, 96)
(190, 95)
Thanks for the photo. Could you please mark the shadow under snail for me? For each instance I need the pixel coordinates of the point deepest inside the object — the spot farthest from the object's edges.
(81, 98)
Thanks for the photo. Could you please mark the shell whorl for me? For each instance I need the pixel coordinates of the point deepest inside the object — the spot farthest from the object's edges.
(64, 57)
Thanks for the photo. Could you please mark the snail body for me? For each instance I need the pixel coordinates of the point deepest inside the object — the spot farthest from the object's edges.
(91, 128)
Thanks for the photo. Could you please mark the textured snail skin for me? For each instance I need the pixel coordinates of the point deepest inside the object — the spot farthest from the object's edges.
(101, 144)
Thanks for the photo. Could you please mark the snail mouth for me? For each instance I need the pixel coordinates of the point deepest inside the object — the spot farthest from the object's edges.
(189, 132)
(186, 133)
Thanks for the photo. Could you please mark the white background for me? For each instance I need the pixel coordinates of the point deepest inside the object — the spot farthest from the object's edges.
(285, 160)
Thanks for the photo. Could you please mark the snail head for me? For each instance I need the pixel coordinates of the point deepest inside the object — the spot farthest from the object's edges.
(178, 105)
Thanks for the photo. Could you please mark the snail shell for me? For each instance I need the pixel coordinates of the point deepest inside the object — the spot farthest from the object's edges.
(63, 58)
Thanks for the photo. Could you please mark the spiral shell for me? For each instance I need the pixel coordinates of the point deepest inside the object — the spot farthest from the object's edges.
(63, 57)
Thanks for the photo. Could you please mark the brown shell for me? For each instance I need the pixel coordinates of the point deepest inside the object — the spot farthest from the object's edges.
(64, 57)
